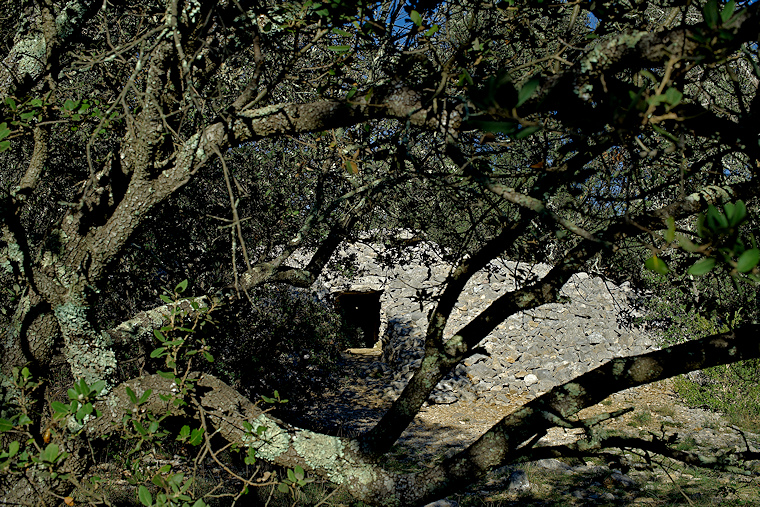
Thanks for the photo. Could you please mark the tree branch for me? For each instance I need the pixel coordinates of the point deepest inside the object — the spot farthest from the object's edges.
(341, 461)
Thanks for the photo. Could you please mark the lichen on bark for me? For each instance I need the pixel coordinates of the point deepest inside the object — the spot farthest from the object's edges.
(87, 351)
(272, 442)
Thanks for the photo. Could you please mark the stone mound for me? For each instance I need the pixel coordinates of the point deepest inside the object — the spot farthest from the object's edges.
(526, 355)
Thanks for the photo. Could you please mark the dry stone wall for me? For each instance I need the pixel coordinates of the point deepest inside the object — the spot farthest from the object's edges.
(526, 355)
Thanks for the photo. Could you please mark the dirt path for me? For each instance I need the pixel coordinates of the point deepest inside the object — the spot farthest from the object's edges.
(438, 431)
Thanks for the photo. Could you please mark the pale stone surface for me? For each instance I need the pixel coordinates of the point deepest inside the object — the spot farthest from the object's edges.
(527, 354)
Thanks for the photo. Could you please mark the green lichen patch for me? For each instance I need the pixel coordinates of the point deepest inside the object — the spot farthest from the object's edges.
(574, 389)
(87, 352)
(32, 52)
(618, 366)
(272, 442)
(602, 55)
(321, 452)
(16, 255)
(644, 370)
(455, 346)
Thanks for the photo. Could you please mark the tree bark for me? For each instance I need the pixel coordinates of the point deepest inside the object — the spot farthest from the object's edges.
(342, 461)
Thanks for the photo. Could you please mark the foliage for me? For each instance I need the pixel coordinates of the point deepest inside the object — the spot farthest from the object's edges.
(162, 140)
(143, 431)
(289, 341)
(691, 306)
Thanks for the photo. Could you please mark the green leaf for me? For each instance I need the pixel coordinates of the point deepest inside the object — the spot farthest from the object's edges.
(728, 11)
(84, 411)
(342, 33)
(199, 503)
(729, 210)
(710, 12)
(416, 18)
(4, 130)
(657, 265)
(159, 481)
(748, 260)
(97, 387)
(60, 408)
(648, 74)
(283, 488)
(5, 425)
(159, 335)
(70, 105)
(13, 448)
(208, 357)
(339, 49)
(527, 131)
(158, 352)
(144, 396)
(166, 299)
(131, 393)
(299, 472)
(145, 497)
(715, 219)
(139, 428)
(184, 433)
(50, 453)
(670, 233)
(4, 145)
(181, 286)
(433, 29)
(673, 96)
(196, 437)
(526, 91)
(11, 103)
(291, 475)
(702, 266)
(735, 213)
(464, 77)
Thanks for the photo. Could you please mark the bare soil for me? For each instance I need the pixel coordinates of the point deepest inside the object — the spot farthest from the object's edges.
(442, 430)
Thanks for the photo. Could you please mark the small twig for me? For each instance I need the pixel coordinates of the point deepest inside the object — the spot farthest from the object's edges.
(675, 483)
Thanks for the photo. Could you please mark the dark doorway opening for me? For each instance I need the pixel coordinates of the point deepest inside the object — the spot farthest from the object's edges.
(361, 313)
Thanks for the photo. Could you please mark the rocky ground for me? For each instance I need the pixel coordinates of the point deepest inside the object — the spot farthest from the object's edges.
(629, 479)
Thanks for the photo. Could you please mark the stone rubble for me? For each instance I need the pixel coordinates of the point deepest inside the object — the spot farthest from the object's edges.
(526, 355)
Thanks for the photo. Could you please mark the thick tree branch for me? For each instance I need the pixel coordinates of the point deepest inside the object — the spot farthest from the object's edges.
(642, 49)
(441, 357)
(501, 443)
(35, 52)
(341, 461)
